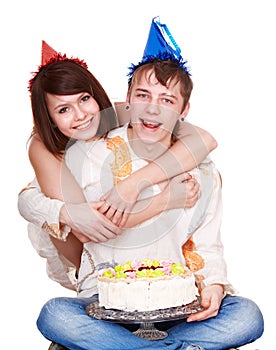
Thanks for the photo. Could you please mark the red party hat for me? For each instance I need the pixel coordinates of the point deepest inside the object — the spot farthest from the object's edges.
(47, 52)
(48, 56)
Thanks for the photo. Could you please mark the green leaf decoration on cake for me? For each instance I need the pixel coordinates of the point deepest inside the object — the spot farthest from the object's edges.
(155, 263)
(177, 269)
(141, 274)
(124, 267)
(108, 274)
(151, 263)
(120, 274)
(118, 268)
(149, 273)
(156, 273)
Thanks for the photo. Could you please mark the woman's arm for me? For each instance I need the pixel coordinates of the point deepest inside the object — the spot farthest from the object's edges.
(193, 145)
(35, 207)
(180, 192)
(48, 170)
(56, 181)
(54, 178)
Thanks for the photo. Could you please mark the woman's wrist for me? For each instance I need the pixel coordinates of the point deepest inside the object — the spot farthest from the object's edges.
(137, 183)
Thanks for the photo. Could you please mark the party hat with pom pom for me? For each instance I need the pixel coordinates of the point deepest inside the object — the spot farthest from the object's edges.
(160, 45)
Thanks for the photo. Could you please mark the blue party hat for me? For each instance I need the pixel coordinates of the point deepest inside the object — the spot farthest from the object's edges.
(160, 45)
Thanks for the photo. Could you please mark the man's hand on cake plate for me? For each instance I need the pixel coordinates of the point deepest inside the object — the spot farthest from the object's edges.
(211, 297)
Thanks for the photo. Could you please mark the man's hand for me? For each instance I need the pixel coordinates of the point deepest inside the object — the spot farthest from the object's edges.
(211, 297)
(87, 223)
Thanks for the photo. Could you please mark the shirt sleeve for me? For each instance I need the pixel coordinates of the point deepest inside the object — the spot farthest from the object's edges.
(204, 250)
(43, 214)
(42, 211)
(58, 268)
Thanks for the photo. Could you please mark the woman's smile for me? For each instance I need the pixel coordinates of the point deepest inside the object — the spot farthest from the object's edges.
(84, 125)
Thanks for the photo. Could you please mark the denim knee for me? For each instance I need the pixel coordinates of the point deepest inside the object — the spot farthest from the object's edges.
(52, 316)
(256, 315)
(252, 322)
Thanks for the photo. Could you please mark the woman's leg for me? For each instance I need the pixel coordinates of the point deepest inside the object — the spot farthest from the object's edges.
(239, 322)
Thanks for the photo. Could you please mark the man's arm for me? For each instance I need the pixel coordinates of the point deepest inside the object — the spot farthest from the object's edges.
(203, 253)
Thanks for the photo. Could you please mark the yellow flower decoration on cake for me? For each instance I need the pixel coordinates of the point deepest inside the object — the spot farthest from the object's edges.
(122, 165)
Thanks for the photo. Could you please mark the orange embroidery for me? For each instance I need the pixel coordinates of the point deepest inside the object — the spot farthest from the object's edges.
(52, 229)
(193, 260)
(122, 165)
(199, 280)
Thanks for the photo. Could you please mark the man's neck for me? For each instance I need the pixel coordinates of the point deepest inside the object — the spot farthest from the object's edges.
(147, 150)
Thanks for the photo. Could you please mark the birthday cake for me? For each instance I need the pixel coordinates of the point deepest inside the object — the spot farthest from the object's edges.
(146, 285)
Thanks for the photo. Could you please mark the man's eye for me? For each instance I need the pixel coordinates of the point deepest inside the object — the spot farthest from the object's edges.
(142, 95)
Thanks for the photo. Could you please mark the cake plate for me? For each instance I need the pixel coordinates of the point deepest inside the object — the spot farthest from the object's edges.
(146, 319)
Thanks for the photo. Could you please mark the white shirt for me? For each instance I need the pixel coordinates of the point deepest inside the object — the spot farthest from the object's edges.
(97, 166)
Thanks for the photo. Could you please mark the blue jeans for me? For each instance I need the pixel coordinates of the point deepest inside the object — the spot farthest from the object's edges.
(64, 321)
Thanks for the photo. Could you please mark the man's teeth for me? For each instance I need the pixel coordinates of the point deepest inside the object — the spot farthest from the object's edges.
(150, 123)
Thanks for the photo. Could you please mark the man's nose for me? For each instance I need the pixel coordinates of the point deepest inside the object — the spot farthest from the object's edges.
(153, 108)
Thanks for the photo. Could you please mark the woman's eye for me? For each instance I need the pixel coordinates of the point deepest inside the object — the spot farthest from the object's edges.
(63, 110)
(85, 98)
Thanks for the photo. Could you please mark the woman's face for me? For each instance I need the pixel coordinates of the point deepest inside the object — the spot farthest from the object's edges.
(76, 116)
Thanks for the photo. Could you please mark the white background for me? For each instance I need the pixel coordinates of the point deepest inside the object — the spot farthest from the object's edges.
(230, 46)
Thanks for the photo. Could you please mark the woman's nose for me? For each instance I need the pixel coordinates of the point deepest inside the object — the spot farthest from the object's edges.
(80, 114)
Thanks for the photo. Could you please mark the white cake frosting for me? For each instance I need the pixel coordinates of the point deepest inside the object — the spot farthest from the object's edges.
(145, 286)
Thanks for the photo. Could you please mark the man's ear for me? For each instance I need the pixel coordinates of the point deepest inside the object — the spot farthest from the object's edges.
(184, 114)
(122, 109)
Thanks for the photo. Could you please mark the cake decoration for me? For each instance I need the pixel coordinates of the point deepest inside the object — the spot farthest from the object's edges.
(146, 285)
(145, 268)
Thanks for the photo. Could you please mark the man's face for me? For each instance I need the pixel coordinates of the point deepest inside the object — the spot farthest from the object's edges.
(155, 109)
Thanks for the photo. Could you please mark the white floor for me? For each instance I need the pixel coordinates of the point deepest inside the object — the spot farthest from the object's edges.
(258, 345)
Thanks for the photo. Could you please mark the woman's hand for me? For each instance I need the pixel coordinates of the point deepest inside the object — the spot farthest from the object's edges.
(183, 191)
(211, 297)
(87, 223)
(119, 201)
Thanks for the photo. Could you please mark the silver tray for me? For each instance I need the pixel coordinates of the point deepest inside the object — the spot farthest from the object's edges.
(146, 319)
